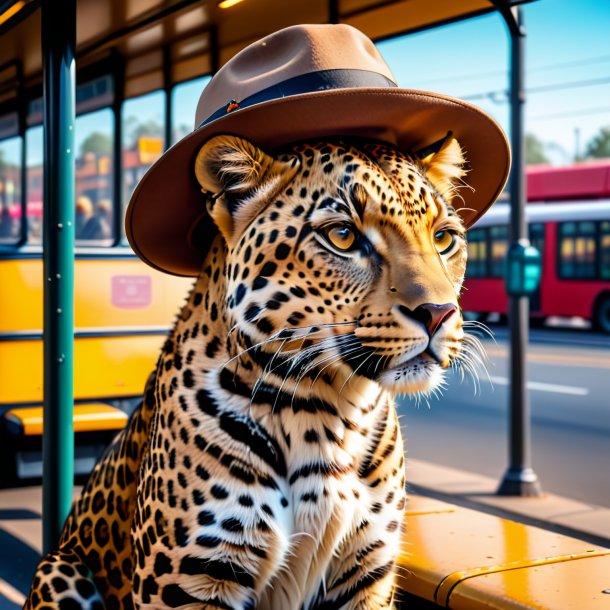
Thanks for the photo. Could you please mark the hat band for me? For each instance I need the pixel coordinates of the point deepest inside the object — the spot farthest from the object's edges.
(323, 80)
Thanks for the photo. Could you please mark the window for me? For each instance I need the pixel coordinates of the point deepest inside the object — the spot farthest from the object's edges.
(604, 249)
(94, 212)
(477, 253)
(143, 135)
(10, 190)
(33, 192)
(184, 104)
(536, 236)
(498, 240)
(577, 250)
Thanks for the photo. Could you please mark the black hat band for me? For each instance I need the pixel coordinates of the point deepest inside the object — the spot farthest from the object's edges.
(312, 82)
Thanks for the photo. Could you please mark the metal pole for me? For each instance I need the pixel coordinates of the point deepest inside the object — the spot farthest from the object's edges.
(58, 39)
(167, 87)
(333, 11)
(21, 118)
(214, 50)
(118, 78)
(520, 479)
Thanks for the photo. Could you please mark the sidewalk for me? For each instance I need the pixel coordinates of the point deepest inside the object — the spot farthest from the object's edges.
(569, 517)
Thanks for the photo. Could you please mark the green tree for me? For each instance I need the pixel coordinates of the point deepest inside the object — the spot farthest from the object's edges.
(598, 146)
(136, 130)
(96, 142)
(534, 150)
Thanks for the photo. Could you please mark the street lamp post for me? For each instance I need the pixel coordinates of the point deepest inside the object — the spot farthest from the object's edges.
(520, 478)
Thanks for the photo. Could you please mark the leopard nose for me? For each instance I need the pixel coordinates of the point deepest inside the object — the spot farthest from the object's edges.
(430, 314)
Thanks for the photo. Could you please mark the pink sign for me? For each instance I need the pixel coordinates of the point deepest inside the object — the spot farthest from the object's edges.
(131, 291)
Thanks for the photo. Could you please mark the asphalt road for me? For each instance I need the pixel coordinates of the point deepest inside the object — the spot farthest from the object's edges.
(569, 388)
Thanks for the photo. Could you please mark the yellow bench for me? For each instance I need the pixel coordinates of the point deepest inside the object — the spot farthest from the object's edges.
(89, 417)
(463, 559)
(95, 424)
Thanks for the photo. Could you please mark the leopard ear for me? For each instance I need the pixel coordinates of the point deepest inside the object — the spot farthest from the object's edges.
(445, 167)
(241, 179)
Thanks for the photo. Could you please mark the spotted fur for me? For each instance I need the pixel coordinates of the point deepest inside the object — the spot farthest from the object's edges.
(264, 468)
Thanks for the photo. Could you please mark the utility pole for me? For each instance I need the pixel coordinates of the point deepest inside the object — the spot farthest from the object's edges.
(520, 478)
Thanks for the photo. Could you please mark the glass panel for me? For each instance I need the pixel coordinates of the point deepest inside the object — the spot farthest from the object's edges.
(34, 152)
(143, 133)
(184, 104)
(577, 245)
(536, 236)
(586, 228)
(499, 247)
(566, 264)
(10, 190)
(94, 216)
(477, 251)
(604, 250)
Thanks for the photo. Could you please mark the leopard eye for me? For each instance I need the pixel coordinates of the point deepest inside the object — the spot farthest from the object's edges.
(444, 241)
(341, 236)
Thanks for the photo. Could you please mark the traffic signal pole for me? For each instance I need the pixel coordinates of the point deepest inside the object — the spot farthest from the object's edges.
(58, 40)
(520, 478)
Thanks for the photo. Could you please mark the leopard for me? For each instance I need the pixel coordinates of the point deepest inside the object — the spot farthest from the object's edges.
(264, 467)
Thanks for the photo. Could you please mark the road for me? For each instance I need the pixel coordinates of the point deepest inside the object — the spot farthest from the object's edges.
(569, 383)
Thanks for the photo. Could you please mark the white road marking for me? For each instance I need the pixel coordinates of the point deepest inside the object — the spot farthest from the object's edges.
(12, 594)
(546, 387)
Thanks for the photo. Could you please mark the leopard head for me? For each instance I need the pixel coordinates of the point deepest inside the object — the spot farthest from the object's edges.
(343, 258)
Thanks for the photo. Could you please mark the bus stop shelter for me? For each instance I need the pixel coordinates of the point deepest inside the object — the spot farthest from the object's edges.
(49, 44)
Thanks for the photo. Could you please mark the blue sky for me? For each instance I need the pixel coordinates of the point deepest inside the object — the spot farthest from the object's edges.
(568, 42)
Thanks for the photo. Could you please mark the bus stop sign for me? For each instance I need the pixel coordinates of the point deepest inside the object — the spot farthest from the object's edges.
(523, 269)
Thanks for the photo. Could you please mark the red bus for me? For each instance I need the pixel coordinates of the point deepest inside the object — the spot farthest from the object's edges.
(571, 228)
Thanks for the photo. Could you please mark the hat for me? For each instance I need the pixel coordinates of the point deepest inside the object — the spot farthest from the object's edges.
(301, 83)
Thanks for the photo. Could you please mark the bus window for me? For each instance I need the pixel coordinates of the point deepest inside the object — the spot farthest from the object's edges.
(498, 238)
(184, 104)
(577, 250)
(94, 209)
(33, 193)
(604, 249)
(536, 235)
(10, 190)
(477, 253)
(143, 132)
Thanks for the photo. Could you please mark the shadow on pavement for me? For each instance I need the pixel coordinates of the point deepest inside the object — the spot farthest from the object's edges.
(17, 559)
(9, 514)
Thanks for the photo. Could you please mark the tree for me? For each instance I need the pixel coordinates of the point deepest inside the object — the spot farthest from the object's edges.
(96, 142)
(136, 130)
(534, 150)
(599, 145)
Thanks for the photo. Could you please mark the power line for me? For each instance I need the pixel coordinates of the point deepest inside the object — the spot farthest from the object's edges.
(573, 63)
(499, 96)
(569, 113)
(479, 75)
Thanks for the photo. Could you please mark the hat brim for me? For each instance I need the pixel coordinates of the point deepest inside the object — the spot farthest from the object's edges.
(167, 201)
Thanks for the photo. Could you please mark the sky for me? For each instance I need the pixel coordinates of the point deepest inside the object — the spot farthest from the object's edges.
(567, 50)
(567, 42)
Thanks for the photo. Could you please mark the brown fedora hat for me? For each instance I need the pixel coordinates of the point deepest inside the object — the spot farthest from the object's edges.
(304, 82)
